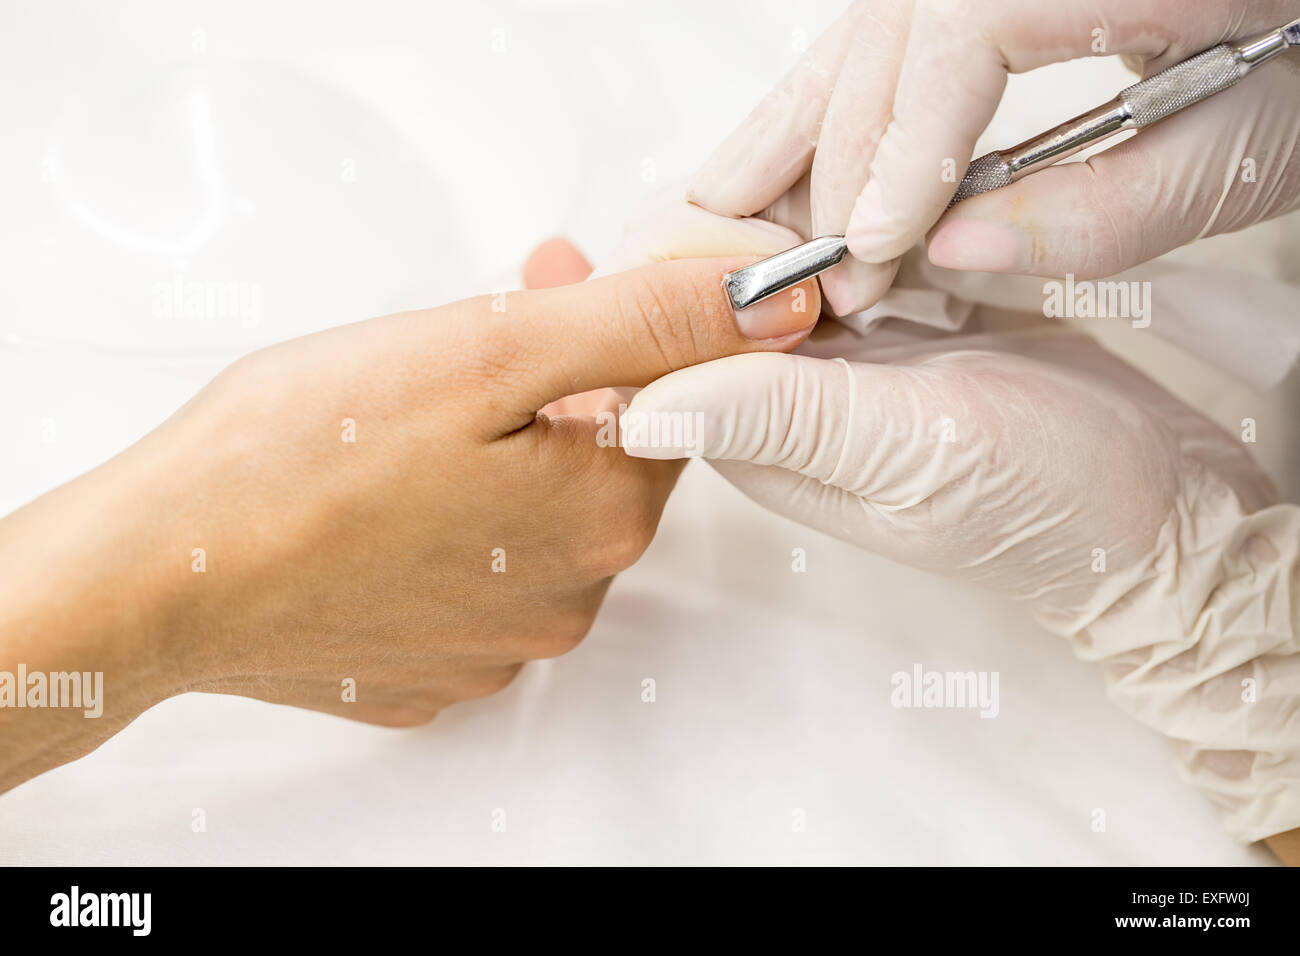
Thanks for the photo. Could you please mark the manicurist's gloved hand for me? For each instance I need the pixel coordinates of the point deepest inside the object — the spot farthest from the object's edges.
(1043, 468)
(372, 521)
(895, 94)
(1031, 461)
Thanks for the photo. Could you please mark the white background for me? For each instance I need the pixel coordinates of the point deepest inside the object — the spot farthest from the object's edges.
(143, 140)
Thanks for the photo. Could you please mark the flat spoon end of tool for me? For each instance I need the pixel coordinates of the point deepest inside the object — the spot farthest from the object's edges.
(765, 278)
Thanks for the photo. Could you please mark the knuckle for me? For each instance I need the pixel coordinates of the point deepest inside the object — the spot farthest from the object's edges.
(494, 354)
(656, 315)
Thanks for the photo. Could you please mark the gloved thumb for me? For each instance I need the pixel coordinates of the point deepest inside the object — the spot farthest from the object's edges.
(808, 416)
(793, 432)
(965, 462)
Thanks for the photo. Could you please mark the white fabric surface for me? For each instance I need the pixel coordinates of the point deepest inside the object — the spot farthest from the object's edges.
(773, 687)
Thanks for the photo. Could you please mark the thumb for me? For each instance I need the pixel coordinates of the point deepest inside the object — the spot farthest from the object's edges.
(924, 463)
(790, 411)
(846, 448)
(1152, 193)
(889, 433)
(632, 327)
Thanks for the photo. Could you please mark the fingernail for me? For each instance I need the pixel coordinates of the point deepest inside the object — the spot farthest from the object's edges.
(782, 314)
(977, 245)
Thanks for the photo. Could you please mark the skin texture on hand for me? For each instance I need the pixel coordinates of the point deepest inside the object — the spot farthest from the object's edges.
(883, 112)
(379, 504)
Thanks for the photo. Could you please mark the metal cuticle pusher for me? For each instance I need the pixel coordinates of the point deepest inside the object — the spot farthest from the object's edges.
(1136, 107)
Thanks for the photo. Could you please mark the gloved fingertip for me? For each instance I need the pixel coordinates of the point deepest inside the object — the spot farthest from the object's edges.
(838, 291)
(636, 447)
(721, 195)
(876, 233)
(853, 286)
(695, 198)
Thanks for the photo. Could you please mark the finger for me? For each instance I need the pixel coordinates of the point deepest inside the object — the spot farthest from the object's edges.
(1152, 193)
(937, 116)
(558, 262)
(554, 263)
(854, 285)
(790, 411)
(773, 146)
(953, 76)
(585, 404)
(877, 431)
(679, 230)
(622, 330)
(824, 440)
(856, 117)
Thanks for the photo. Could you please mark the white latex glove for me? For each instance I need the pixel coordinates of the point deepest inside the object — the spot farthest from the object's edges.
(898, 90)
(1036, 464)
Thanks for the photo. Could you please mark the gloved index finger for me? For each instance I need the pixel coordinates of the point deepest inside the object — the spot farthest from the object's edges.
(954, 70)
(948, 89)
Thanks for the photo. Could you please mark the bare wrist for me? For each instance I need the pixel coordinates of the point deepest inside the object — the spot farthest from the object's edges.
(84, 648)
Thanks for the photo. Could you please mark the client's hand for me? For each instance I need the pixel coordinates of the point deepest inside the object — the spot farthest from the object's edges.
(372, 521)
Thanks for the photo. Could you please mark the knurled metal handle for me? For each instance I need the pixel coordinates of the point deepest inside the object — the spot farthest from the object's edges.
(1140, 105)
(984, 174)
(1182, 85)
